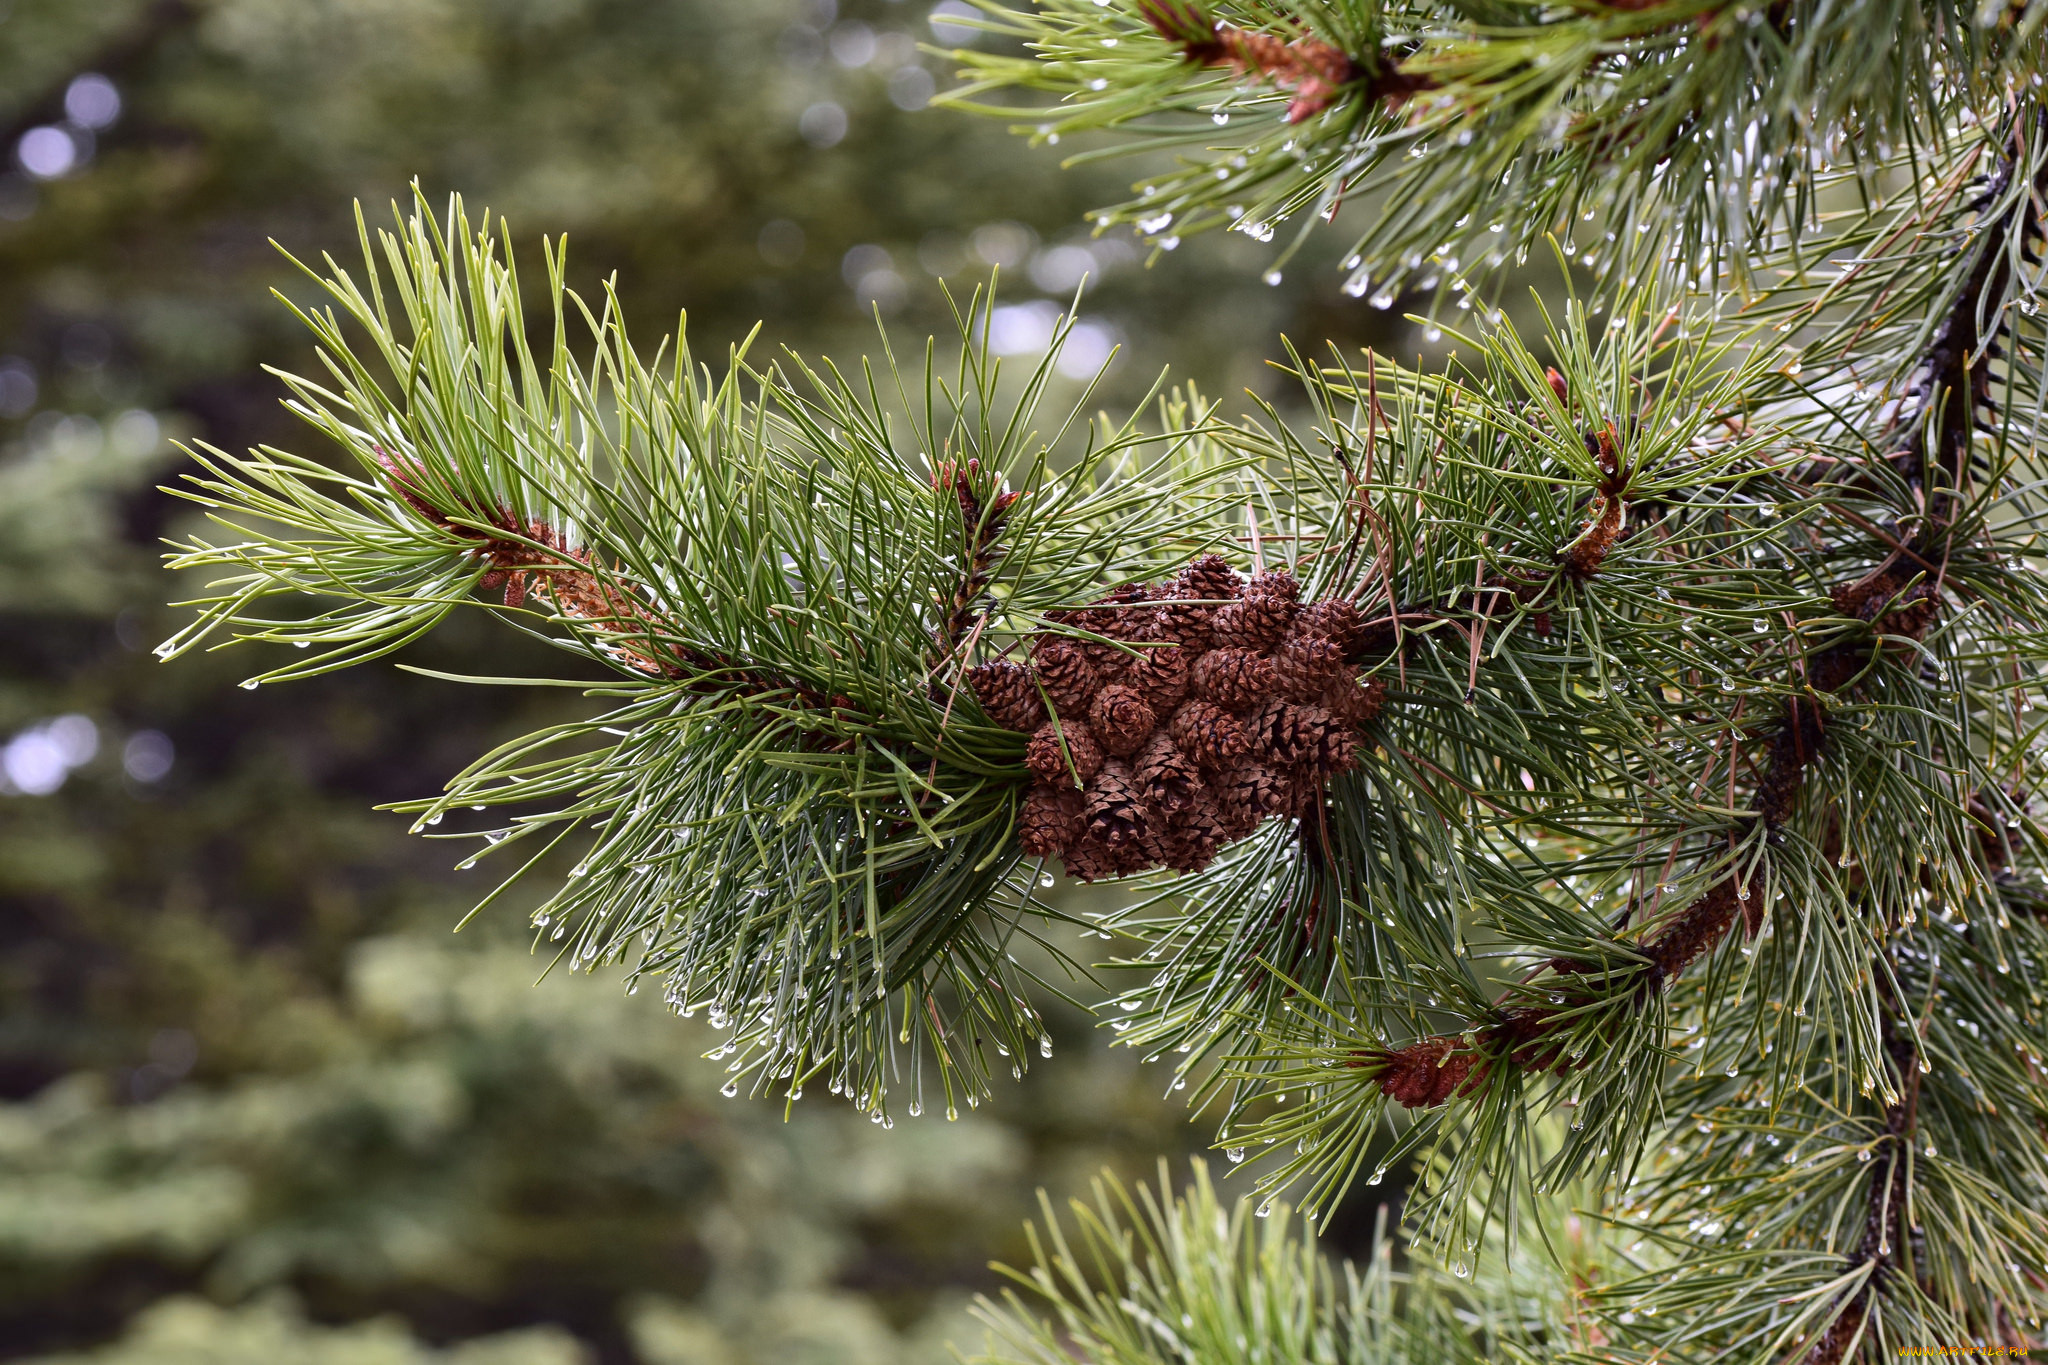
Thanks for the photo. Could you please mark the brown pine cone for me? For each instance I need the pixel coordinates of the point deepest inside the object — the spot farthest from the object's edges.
(1209, 735)
(1065, 673)
(1283, 734)
(1113, 622)
(1120, 615)
(1184, 622)
(1336, 752)
(1051, 821)
(1090, 860)
(1122, 720)
(1259, 619)
(1306, 665)
(1162, 677)
(1116, 813)
(1305, 789)
(1110, 662)
(1208, 577)
(1278, 584)
(1166, 777)
(1247, 795)
(1353, 702)
(1194, 836)
(1335, 620)
(1008, 695)
(1234, 679)
(1048, 761)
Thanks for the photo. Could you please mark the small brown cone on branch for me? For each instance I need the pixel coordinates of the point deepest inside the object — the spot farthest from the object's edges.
(1195, 836)
(1306, 665)
(1007, 693)
(1234, 679)
(1091, 860)
(1048, 758)
(1051, 822)
(1065, 673)
(1121, 719)
(1161, 677)
(1335, 620)
(1249, 794)
(1167, 778)
(1209, 735)
(1116, 812)
(1355, 703)
(1283, 735)
(1261, 617)
(1206, 706)
(1210, 578)
(1174, 619)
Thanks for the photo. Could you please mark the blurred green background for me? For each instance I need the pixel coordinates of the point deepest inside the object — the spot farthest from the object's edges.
(256, 1102)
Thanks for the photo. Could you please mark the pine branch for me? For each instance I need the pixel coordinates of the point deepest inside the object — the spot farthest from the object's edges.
(1941, 417)
(1471, 134)
(1889, 1192)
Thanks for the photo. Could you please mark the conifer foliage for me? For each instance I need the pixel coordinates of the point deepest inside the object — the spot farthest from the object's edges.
(1599, 771)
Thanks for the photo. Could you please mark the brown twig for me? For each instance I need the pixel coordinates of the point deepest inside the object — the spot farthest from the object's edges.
(1434, 1070)
(533, 556)
(1317, 72)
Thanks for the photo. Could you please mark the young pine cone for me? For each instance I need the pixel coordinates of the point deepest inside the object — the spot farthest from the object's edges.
(1353, 702)
(1121, 616)
(1065, 673)
(1048, 760)
(1194, 836)
(1091, 860)
(1336, 751)
(1209, 578)
(1248, 795)
(1337, 621)
(1114, 619)
(1166, 777)
(1162, 677)
(1234, 679)
(1254, 621)
(1279, 584)
(1116, 814)
(1122, 720)
(1284, 734)
(1209, 735)
(1306, 665)
(1051, 821)
(1008, 695)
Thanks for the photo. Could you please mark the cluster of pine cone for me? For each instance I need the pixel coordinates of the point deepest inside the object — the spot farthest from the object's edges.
(1234, 701)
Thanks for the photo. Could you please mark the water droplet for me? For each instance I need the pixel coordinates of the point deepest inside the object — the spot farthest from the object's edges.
(249, 684)
(1234, 1154)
